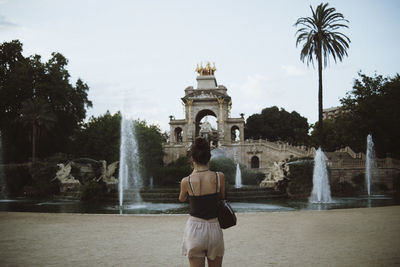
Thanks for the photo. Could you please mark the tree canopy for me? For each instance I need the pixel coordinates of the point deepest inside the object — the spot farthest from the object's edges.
(99, 138)
(149, 139)
(371, 107)
(27, 78)
(275, 124)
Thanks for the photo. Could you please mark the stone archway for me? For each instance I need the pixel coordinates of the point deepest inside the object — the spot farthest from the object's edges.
(235, 134)
(199, 116)
(255, 162)
(178, 135)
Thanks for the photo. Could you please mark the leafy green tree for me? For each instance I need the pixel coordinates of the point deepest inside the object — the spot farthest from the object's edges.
(23, 78)
(320, 38)
(99, 138)
(371, 107)
(275, 124)
(14, 69)
(337, 133)
(149, 139)
(37, 115)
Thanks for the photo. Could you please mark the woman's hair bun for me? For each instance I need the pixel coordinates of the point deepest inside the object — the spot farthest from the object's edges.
(201, 150)
(201, 142)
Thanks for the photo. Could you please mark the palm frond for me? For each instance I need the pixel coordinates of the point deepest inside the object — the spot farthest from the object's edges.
(319, 35)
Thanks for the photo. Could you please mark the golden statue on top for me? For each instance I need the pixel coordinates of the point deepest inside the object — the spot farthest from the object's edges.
(207, 70)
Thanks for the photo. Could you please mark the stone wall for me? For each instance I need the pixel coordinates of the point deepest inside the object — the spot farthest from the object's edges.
(267, 152)
(341, 171)
(175, 151)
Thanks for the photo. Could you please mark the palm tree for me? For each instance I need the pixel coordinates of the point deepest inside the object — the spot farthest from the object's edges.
(36, 113)
(320, 37)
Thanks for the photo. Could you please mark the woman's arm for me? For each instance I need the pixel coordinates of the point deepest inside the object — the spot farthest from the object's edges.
(222, 185)
(183, 193)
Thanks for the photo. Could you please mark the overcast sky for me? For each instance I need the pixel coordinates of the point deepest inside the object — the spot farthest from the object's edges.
(141, 55)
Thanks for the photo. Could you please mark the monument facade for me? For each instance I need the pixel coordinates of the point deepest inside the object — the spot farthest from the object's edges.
(211, 99)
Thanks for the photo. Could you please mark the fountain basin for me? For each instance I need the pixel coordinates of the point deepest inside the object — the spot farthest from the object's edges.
(257, 205)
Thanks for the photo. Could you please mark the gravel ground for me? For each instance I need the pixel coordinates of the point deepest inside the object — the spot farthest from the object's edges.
(346, 237)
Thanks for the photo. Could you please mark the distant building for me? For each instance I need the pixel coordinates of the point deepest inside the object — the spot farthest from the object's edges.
(332, 113)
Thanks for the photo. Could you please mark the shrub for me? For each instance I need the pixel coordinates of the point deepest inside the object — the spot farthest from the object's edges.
(225, 165)
(16, 178)
(379, 188)
(342, 189)
(359, 180)
(42, 175)
(172, 174)
(300, 178)
(251, 177)
(93, 191)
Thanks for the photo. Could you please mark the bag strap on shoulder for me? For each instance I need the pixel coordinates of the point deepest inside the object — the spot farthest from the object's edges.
(217, 183)
(191, 187)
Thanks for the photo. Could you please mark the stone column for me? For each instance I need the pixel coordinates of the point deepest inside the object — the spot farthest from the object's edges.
(221, 138)
(229, 108)
(220, 102)
(189, 102)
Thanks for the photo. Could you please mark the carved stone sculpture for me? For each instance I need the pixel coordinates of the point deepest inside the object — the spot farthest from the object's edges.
(67, 181)
(276, 174)
(205, 127)
(107, 173)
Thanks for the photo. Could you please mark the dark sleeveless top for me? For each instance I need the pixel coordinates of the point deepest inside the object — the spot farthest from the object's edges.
(204, 206)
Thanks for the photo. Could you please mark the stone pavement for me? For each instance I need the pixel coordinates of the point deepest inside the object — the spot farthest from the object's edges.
(346, 237)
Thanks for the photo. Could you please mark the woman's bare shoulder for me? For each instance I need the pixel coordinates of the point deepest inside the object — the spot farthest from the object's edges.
(184, 180)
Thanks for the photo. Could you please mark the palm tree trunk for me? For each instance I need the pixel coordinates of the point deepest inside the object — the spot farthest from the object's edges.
(320, 121)
(33, 143)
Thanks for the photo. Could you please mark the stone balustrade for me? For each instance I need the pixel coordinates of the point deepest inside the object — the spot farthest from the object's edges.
(283, 146)
(360, 163)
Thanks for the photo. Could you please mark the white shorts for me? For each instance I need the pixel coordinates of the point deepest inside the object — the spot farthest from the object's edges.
(203, 238)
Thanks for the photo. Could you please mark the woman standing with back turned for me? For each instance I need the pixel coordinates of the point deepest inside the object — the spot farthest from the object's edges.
(203, 236)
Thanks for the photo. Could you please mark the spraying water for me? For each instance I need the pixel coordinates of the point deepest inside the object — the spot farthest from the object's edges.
(151, 182)
(129, 176)
(3, 185)
(321, 192)
(370, 164)
(238, 179)
(218, 153)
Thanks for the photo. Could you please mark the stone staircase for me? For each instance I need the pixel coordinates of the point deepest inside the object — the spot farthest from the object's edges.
(170, 195)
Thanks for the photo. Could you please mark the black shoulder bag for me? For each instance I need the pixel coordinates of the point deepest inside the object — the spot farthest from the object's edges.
(226, 215)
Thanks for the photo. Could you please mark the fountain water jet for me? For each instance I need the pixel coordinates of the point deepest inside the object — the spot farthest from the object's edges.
(321, 192)
(370, 164)
(151, 182)
(238, 178)
(129, 176)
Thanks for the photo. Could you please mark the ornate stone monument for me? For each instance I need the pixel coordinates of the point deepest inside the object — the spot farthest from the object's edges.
(208, 98)
(211, 98)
